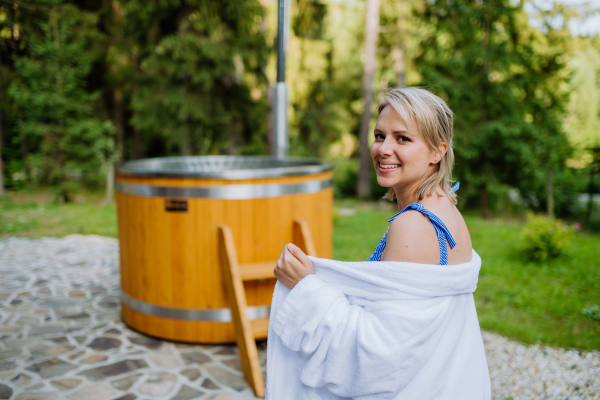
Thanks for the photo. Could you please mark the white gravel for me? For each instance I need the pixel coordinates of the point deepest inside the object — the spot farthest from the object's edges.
(536, 372)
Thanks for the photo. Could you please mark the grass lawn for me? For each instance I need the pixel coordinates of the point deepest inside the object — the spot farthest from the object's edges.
(524, 300)
(33, 213)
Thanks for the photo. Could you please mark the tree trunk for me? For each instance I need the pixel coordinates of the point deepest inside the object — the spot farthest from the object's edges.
(185, 145)
(372, 30)
(119, 123)
(270, 97)
(399, 66)
(110, 183)
(268, 87)
(484, 64)
(138, 151)
(185, 148)
(56, 37)
(590, 204)
(58, 152)
(25, 157)
(550, 194)
(483, 200)
(2, 192)
(398, 48)
(483, 197)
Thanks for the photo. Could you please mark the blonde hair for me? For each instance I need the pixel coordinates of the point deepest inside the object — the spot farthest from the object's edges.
(433, 119)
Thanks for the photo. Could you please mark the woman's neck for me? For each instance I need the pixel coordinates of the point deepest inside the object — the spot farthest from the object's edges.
(407, 197)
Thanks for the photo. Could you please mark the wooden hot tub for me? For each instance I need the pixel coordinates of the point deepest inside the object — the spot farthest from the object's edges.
(169, 210)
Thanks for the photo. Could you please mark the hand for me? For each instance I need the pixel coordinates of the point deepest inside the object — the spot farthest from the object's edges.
(292, 266)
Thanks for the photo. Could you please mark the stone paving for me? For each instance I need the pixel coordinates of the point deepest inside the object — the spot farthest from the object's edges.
(61, 337)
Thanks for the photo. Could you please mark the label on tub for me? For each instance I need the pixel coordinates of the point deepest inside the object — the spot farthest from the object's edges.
(177, 205)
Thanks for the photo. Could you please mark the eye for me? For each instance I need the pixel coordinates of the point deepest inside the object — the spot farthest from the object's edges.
(403, 139)
(379, 136)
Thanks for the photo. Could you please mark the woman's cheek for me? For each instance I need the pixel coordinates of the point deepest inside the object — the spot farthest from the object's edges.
(374, 150)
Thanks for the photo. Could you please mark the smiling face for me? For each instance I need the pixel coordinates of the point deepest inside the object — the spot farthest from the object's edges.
(401, 158)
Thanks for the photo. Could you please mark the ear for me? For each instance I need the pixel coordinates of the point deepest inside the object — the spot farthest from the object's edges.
(440, 153)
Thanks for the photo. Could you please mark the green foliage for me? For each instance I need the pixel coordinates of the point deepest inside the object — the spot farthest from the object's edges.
(65, 192)
(505, 82)
(544, 238)
(583, 120)
(592, 312)
(175, 78)
(345, 172)
(194, 90)
(324, 75)
(55, 109)
(321, 119)
(194, 77)
(309, 21)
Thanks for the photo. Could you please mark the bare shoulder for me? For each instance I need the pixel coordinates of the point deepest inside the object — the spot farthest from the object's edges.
(463, 250)
(411, 238)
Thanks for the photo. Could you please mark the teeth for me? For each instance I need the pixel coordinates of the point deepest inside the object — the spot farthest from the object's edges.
(389, 166)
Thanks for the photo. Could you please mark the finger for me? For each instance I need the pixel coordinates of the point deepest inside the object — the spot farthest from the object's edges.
(288, 257)
(280, 259)
(277, 267)
(278, 270)
(298, 253)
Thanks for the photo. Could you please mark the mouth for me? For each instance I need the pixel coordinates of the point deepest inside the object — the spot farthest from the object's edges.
(387, 168)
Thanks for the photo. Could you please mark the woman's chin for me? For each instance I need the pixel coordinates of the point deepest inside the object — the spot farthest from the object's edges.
(384, 181)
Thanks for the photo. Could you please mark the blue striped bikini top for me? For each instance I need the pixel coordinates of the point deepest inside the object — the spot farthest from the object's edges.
(443, 234)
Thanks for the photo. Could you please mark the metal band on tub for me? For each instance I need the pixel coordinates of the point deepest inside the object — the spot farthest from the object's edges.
(224, 192)
(191, 314)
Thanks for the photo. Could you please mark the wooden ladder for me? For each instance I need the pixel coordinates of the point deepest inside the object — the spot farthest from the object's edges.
(246, 330)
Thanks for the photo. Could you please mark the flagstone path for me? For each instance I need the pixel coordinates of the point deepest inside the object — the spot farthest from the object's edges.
(61, 336)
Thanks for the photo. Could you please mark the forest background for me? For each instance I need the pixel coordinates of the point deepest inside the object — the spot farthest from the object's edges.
(85, 85)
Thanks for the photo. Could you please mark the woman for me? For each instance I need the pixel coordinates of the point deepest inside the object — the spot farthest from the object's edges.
(412, 155)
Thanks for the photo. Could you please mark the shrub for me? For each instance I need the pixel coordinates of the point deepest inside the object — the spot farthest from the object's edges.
(65, 192)
(592, 312)
(345, 175)
(544, 238)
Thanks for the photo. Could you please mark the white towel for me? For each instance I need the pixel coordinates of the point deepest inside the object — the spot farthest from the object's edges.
(378, 330)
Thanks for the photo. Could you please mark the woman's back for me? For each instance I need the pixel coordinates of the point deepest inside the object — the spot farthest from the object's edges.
(412, 234)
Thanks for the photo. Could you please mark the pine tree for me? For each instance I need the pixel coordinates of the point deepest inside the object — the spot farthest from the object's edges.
(196, 84)
(371, 37)
(55, 110)
(11, 39)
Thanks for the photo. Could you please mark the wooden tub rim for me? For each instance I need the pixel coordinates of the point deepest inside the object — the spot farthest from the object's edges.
(224, 192)
(233, 167)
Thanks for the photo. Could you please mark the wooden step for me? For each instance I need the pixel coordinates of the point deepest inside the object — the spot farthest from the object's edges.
(234, 273)
(259, 270)
(260, 327)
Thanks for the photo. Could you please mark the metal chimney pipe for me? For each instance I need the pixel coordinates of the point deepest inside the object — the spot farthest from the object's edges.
(280, 97)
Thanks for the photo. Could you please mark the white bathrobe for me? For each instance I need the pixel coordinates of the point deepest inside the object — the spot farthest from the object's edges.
(378, 330)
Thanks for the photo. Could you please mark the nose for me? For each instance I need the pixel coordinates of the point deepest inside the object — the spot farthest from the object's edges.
(386, 149)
